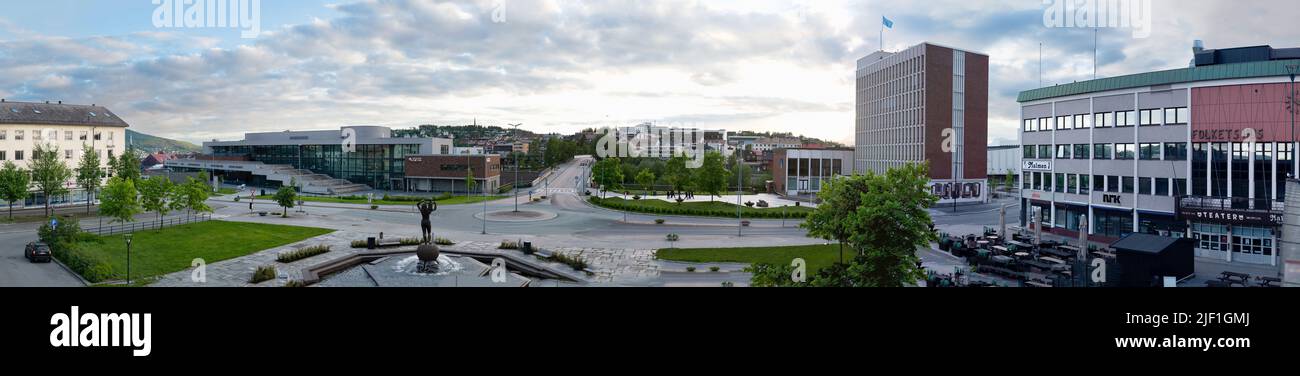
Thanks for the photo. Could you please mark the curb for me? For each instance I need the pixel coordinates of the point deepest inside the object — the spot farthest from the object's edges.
(84, 282)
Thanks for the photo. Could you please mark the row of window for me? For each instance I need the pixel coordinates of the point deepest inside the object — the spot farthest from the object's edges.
(37, 135)
(1171, 151)
(1150, 117)
(1083, 184)
(68, 154)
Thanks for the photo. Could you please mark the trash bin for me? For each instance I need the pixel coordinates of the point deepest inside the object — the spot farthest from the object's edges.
(371, 243)
(528, 247)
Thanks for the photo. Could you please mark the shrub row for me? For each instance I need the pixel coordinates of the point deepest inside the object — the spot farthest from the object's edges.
(65, 243)
(443, 241)
(302, 253)
(688, 211)
(263, 274)
(574, 262)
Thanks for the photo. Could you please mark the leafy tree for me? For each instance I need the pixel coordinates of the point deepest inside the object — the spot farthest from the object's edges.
(120, 201)
(286, 197)
(49, 173)
(608, 174)
(193, 197)
(89, 174)
(15, 184)
(127, 166)
(1011, 179)
(677, 175)
(156, 196)
(470, 183)
(713, 176)
(883, 218)
(646, 179)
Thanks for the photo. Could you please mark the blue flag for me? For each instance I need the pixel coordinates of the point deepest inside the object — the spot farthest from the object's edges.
(887, 22)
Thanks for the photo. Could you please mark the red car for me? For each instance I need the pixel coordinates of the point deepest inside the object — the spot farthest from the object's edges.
(38, 252)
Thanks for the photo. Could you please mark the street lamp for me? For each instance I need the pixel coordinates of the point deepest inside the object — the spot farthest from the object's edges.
(516, 156)
(486, 158)
(128, 258)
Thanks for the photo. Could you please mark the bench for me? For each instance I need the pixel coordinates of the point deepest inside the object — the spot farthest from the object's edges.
(1269, 282)
(1217, 284)
(1037, 284)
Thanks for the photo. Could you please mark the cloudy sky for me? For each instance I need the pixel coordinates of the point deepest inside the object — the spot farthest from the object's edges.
(562, 65)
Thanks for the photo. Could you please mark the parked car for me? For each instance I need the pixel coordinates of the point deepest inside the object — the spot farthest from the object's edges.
(38, 252)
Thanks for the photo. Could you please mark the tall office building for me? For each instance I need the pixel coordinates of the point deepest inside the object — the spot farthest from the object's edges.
(926, 103)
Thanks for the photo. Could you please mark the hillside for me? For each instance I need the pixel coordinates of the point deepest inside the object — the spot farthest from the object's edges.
(148, 143)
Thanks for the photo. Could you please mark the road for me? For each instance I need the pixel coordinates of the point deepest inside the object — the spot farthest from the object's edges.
(16, 271)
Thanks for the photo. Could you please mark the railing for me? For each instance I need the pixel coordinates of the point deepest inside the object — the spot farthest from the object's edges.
(1262, 205)
(128, 228)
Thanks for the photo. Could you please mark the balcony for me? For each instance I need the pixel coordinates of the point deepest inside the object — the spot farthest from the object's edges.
(1231, 210)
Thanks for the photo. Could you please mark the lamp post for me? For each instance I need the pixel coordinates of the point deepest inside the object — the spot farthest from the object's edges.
(128, 258)
(516, 156)
(740, 219)
(486, 158)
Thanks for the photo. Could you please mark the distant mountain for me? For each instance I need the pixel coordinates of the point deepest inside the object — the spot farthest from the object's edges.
(147, 143)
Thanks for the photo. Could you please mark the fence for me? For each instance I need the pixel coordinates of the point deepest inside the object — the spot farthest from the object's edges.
(128, 228)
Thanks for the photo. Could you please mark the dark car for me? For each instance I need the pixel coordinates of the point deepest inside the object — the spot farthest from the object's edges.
(38, 252)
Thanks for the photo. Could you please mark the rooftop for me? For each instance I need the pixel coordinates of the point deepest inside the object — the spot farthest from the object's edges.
(1208, 65)
(58, 114)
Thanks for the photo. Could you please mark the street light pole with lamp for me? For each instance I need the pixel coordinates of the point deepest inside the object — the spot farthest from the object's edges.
(128, 238)
(1292, 106)
(516, 156)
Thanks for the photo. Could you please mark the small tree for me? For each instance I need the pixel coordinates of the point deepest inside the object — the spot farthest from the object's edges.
(1011, 179)
(712, 178)
(127, 166)
(90, 176)
(470, 183)
(646, 179)
(15, 184)
(120, 201)
(286, 197)
(49, 173)
(155, 196)
(678, 176)
(193, 196)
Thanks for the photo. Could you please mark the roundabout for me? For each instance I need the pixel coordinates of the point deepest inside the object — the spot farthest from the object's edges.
(521, 216)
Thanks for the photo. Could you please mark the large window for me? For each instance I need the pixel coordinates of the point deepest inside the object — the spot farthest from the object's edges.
(1059, 182)
(1081, 121)
(1144, 186)
(1030, 152)
(1162, 187)
(1062, 151)
(1177, 115)
(1083, 184)
(1099, 183)
(1149, 152)
(1064, 123)
(1127, 184)
(1081, 151)
(1151, 117)
(1112, 184)
(1264, 171)
(1044, 151)
(1285, 165)
(1240, 170)
(1200, 173)
(1103, 151)
(1125, 119)
(1031, 125)
(1124, 151)
(1176, 151)
(1045, 124)
(1103, 120)
(1072, 184)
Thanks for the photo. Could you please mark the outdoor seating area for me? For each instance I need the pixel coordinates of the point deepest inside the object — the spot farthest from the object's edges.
(1233, 279)
(1048, 264)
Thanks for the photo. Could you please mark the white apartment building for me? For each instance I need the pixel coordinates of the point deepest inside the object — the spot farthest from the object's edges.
(65, 127)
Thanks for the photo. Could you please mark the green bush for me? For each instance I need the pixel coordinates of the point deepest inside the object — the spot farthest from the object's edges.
(506, 244)
(660, 221)
(360, 244)
(92, 266)
(263, 274)
(295, 283)
(443, 241)
(574, 262)
(690, 269)
(407, 242)
(302, 253)
(715, 269)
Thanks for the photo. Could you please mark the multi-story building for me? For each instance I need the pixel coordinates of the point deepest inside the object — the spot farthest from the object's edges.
(927, 103)
(1199, 152)
(773, 143)
(1003, 162)
(325, 162)
(800, 172)
(64, 127)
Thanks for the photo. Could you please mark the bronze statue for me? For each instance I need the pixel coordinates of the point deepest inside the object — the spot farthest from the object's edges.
(427, 207)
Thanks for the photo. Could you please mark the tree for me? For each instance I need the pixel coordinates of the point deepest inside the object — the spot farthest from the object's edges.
(608, 174)
(1011, 179)
(89, 174)
(712, 178)
(15, 184)
(884, 218)
(120, 201)
(49, 173)
(193, 197)
(677, 175)
(470, 183)
(646, 179)
(286, 198)
(156, 195)
(127, 166)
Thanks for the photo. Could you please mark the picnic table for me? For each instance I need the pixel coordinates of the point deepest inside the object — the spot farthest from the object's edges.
(1235, 278)
(1001, 250)
(1058, 253)
(1269, 281)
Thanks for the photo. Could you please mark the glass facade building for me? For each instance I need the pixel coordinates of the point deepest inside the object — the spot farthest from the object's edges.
(379, 166)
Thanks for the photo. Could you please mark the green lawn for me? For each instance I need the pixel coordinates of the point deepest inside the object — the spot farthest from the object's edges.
(702, 209)
(172, 249)
(817, 256)
(456, 200)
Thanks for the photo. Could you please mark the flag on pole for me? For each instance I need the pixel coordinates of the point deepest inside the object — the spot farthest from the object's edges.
(885, 21)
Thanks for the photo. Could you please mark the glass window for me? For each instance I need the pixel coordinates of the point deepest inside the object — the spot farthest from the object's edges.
(1044, 151)
(1081, 121)
(1072, 184)
(1031, 125)
(3, 135)
(1030, 152)
(1144, 186)
(1063, 123)
(1103, 151)
(1103, 120)
(1045, 124)
(67, 136)
(1059, 182)
(1112, 184)
(2, 155)
(1128, 184)
(1151, 117)
(84, 134)
(1162, 187)
(67, 154)
(1176, 115)
(1180, 187)
(1062, 151)
(1081, 151)
(18, 136)
(1124, 119)
(1083, 184)
(1149, 152)
(18, 155)
(1099, 183)
(1176, 151)
(1124, 151)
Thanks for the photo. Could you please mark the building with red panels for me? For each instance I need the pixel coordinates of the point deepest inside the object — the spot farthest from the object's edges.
(927, 103)
(1201, 152)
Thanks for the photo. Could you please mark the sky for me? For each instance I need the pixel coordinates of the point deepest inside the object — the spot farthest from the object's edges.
(565, 65)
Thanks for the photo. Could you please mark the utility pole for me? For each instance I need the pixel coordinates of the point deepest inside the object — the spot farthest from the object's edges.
(740, 218)
(516, 156)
